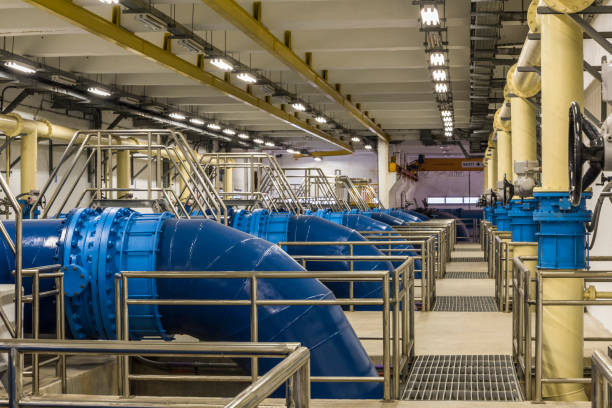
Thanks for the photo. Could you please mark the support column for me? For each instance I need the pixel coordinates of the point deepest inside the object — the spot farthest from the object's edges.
(384, 186)
(29, 161)
(123, 172)
(561, 240)
(504, 168)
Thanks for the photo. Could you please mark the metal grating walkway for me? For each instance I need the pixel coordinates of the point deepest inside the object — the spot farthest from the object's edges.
(466, 275)
(465, 304)
(462, 377)
(467, 259)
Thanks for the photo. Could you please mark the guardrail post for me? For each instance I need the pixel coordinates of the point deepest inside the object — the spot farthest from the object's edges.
(254, 327)
(386, 340)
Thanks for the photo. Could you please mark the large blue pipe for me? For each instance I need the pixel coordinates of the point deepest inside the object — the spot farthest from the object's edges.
(94, 246)
(417, 214)
(283, 227)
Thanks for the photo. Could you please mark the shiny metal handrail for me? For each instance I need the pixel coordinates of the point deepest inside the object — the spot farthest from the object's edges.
(602, 379)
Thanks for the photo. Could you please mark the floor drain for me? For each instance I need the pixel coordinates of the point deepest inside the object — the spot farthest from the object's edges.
(466, 275)
(465, 304)
(462, 377)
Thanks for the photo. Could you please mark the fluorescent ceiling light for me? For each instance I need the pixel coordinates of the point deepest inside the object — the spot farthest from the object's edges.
(246, 77)
(243, 136)
(20, 66)
(196, 121)
(290, 150)
(439, 75)
(321, 119)
(151, 22)
(258, 140)
(430, 16)
(355, 139)
(298, 106)
(441, 88)
(446, 113)
(222, 64)
(213, 126)
(228, 131)
(317, 159)
(191, 45)
(436, 59)
(177, 116)
(154, 108)
(64, 80)
(98, 91)
(110, 1)
(270, 144)
(129, 100)
(368, 147)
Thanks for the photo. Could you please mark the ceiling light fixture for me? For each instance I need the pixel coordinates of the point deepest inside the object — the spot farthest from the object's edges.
(258, 140)
(270, 143)
(298, 106)
(222, 64)
(109, 1)
(243, 136)
(196, 121)
(64, 80)
(152, 22)
(99, 91)
(439, 75)
(191, 45)
(129, 100)
(436, 59)
(20, 66)
(177, 116)
(368, 147)
(441, 88)
(246, 77)
(317, 159)
(213, 126)
(290, 150)
(446, 113)
(355, 139)
(321, 119)
(229, 132)
(430, 16)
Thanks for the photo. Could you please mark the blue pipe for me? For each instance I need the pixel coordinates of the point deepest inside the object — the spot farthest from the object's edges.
(417, 214)
(382, 217)
(398, 214)
(502, 220)
(283, 227)
(522, 225)
(94, 246)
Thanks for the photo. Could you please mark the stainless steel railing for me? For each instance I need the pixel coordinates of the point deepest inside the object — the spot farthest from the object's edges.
(528, 290)
(601, 368)
(293, 369)
(397, 303)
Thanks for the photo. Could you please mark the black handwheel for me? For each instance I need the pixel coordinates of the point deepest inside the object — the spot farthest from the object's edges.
(575, 158)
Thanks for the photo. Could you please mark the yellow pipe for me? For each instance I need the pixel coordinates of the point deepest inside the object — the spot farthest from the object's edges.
(524, 141)
(492, 169)
(485, 173)
(123, 171)
(562, 83)
(504, 156)
(29, 161)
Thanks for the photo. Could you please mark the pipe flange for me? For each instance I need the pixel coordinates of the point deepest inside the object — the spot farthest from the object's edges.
(530, 92)
(49, 127)
(500, 124)
(533, 20)
(19, 127)
(568, 6)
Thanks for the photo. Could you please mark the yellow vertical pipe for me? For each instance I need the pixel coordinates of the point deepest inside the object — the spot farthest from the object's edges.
(504, 155)
(523, 131)
(29, 161)
(562, 83)
(485, 173)
(123, 171)
(493, 168)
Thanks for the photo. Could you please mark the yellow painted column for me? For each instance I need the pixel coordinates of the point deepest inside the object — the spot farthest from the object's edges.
(504, 155)
(562, 83)
(485, 173)
(492, 178)
(524, 142)
(29, 161)
(123, 171)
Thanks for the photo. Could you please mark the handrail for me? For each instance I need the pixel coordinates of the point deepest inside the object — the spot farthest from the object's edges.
(397, 301)
(294, 367)
(602, 379)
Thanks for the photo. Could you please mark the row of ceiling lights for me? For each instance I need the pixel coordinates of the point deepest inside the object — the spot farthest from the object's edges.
(437, 52)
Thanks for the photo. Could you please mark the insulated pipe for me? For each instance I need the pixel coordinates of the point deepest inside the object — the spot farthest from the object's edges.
(492, 169)
(123, 171)
(524, 143)
(29, 161)
(504, 156)
(485, 163)
(562, 83)
(157, 242)
(527, 84)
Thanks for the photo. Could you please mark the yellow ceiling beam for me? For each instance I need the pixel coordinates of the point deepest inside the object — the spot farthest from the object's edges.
(235, 14)
(106, 29)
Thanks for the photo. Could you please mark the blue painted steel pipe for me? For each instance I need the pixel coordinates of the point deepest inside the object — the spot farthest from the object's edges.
(95, 246)
(501, 217)
(417, 214)
(284, 227)
(522, 225)
(398, 214)
(382, 217)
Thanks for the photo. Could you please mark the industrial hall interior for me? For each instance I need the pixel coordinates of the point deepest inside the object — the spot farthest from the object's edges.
(305, 203)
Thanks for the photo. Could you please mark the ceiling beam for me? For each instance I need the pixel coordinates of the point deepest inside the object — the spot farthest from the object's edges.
(105, 29)
(251, 27)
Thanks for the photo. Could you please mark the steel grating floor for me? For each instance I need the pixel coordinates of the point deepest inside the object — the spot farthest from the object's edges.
(467, 259)
(462, 377)
(466, 275)
(465, 304)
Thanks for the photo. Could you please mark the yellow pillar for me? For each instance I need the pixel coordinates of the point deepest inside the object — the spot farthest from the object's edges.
(123, 171)
(504, 155)
(29, 161)
(485, 173)
(492, 169)
(563, 336)
(523, 131)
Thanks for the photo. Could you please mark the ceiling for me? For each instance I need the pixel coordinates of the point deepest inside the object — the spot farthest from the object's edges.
(374, 49)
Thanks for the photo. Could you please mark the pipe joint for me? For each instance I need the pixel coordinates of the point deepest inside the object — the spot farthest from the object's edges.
(18, 127)
(568, 6)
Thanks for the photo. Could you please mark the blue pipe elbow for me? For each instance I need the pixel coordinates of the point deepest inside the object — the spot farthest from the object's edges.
(190, 245)
(417, 214)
